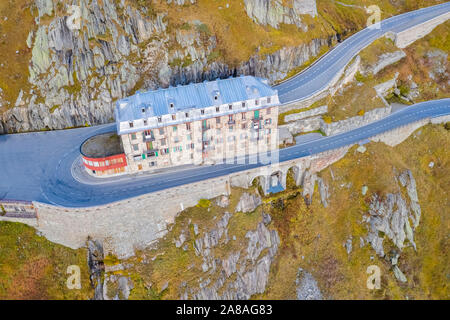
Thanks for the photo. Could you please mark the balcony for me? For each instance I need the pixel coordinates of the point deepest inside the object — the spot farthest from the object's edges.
(230, 122)
(151, 153)
(149, 138)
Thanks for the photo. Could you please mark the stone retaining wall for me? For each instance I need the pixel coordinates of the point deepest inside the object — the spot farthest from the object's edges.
(405, 38)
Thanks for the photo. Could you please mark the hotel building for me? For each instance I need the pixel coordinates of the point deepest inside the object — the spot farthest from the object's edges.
(203, 123)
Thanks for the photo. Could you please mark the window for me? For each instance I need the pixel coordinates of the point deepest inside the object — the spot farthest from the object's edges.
(163, 142)
(244, 126)
(174, 117)
(187, 115)
(243, 104)
(230, 118)
(256, 102)
(217, 109)
(171, 105)
(269, 110)
(174, 128)
(231, 128)
(188, 126)
(218, 120)
(217, 131)
(268, 121)
(202, 111)
(145, 122)
(216, 97)
(243, 116)
(135, 147)
(143, 110)
(161, 131)
(269, 100)
(131, 124)
(159, 119)
(133, 136)
(165, 151)
(230, 107)
(189, 137)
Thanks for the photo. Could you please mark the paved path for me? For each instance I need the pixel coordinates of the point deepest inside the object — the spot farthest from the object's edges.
(37, 166)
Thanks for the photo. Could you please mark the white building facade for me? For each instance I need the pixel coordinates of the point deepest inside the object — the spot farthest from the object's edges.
(205, 123)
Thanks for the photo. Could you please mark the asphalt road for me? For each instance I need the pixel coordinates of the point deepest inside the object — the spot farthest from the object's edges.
(34, 168)
(318, 76)
(37, 166)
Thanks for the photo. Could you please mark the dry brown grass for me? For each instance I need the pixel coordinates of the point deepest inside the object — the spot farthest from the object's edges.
(13, 36)
(313, 236)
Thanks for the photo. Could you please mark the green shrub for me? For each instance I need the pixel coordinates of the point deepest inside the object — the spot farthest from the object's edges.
(204, 203)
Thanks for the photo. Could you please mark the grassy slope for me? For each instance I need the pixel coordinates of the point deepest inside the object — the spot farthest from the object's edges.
(31, 267)
(14, 72)
(312, 238)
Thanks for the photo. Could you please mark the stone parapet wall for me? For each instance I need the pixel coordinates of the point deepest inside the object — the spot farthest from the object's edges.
(406, 37)
(355, 122)
(306, 114)
(398, 135)
(126, 225)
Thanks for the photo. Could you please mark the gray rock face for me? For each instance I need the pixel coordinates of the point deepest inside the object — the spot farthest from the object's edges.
(439, 61)
(248, 202)
(77, 75)
(407, 180)
(349, 245)
(323, 190)
(223, 201)
(273, 12)
(307, 288)
(391, 218)
(399, 274)
(96, 267)
(181, 2)
(245, 266)
(309, 182)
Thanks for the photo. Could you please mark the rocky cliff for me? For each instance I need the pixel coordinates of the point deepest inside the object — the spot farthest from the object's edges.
(79, 68)
(274, 12)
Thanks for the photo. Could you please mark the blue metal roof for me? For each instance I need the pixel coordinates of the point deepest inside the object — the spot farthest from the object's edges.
(192, 96)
